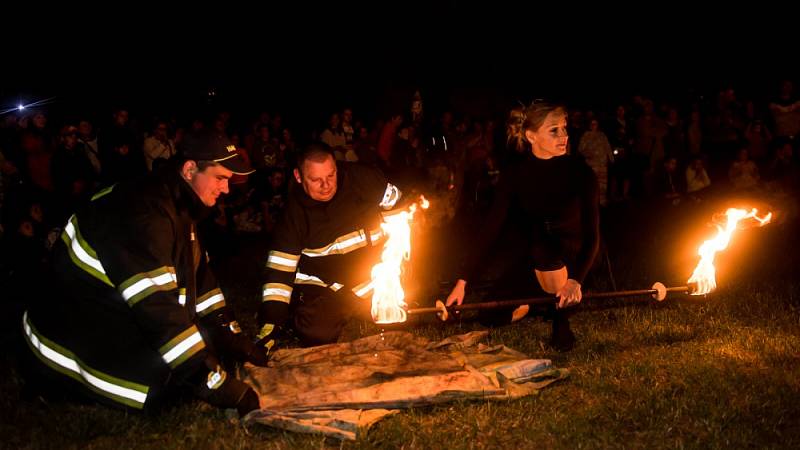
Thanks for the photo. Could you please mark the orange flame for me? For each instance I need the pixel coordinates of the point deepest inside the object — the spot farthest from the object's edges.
(388, 295)
(704, 274)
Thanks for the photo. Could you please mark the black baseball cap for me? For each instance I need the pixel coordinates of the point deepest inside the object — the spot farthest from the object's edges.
(217, 148)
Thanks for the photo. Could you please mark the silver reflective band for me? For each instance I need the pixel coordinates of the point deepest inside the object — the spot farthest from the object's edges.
(362, 291)
(212, 300)
(74, 366)
(179, 349)
(182, 299)
(303, 277)
(343, 244)
(277, 291)
(145, 283)
(94, 263)
(275, 259)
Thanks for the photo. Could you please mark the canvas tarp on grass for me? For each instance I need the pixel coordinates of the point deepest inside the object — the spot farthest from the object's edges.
(340, 390)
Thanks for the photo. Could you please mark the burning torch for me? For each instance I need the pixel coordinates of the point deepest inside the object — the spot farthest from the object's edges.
(701, 282)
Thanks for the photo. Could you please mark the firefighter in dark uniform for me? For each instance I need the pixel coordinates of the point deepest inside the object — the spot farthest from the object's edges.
(317, 273)
(134, 312)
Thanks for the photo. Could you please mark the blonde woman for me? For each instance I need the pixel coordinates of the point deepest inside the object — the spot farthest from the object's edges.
(555, 196)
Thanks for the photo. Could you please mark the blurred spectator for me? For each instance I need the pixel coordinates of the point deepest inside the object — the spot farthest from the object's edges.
(158, 146)
(743, 173)
(696, 177)
(596, 149)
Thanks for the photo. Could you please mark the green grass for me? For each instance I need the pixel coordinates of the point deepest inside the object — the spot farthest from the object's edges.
(719, 372)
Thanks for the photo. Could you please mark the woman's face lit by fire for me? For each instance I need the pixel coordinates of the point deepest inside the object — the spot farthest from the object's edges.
(550, 139)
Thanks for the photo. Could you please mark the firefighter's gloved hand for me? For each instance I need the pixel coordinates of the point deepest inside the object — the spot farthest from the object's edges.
(221, 389)
(230, 341)
(266, 338)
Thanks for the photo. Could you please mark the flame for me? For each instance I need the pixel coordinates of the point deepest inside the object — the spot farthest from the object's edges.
(388, 295)
(703, 277)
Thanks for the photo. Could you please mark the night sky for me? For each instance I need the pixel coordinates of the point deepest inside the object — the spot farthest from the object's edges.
(472, 56)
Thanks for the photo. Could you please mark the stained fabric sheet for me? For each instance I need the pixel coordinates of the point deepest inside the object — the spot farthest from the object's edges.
(340, 390)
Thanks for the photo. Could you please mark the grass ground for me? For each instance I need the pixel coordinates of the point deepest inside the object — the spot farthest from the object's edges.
(718, 372)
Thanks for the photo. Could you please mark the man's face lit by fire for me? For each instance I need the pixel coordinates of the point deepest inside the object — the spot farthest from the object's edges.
(318, 178)
(208, 184)
(550, 139)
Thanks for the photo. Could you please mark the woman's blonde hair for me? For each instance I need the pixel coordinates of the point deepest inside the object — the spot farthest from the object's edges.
(530, 117)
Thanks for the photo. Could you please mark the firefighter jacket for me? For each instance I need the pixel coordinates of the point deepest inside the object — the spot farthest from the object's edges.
(131, 286)
(331, 244)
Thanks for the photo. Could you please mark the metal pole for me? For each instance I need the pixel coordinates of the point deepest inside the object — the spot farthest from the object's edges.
(658, 292)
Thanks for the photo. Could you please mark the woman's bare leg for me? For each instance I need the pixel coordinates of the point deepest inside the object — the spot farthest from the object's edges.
(550, 281)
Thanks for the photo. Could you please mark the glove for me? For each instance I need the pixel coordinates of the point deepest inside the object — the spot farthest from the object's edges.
(221, 389)
(230, 341)
(266, 338)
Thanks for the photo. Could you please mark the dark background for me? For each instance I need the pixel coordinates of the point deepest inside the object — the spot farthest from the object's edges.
(306, 60)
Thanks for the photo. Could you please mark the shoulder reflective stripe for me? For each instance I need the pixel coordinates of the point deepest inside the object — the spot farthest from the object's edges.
(277, 292)
(182, 296)
(103, 192)
(211, 301)
(65, 362)
(81, 253)
(363, 290)
(143, 284)
(343, 244)
(284, 262)
(336, 286)
(182, 347)
(390, 196)
(301, 278)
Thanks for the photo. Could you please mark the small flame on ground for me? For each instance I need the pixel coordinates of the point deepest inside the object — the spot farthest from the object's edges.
(704, 276)
(388, 295)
